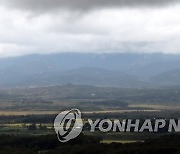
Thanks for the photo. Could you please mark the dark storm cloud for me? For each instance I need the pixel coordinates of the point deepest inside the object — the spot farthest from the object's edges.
(45, 5)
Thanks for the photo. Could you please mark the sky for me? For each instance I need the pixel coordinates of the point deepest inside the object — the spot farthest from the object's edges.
(89, 26)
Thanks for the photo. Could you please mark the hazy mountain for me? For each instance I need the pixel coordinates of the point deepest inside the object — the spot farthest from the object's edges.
(88, 76)
(54, 62)
(122, 70)
(155, 68)
(168, 78)
(97, 76)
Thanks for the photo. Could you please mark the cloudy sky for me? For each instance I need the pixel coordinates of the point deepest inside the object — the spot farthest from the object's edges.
(51, 26)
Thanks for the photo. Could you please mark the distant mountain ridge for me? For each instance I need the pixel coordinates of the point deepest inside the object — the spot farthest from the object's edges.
(118, 70)
(167, 78)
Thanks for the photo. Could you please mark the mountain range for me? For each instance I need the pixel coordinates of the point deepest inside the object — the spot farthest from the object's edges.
(128, 70)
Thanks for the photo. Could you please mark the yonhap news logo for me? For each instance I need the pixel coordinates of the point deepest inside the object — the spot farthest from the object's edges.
(69, 124)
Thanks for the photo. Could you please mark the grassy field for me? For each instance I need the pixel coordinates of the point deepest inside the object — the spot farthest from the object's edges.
(42, 112)
(109, 141)
(155, 106)
(7, 113)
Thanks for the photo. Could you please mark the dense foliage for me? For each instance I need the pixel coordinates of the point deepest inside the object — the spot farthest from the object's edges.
(169, 144)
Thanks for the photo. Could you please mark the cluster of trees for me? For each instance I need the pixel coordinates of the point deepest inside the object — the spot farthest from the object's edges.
(109, 103)
(127, 115)
(33, 126)
(169, 144)
(27, 119)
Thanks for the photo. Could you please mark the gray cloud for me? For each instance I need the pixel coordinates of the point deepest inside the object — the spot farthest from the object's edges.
(47, 5)
(36, 27)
